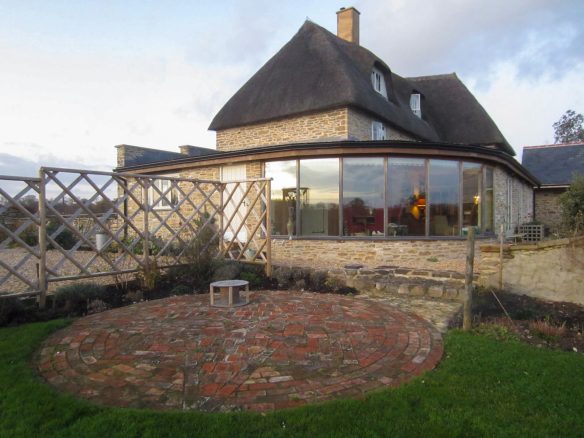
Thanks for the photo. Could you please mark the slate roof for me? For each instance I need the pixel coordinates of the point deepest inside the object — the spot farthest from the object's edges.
(316, 70)
(554, 164)
(138, 155)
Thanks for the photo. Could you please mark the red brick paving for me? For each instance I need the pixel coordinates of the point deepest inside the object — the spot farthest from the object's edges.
(284, 349)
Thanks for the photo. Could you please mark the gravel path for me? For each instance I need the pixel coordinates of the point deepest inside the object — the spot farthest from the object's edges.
(12, 257)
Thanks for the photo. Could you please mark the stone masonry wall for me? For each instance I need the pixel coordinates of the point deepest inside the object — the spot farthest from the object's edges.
(552, 270)
(325, 126)
(331, 253)
(360, 128)
(521, 206)
(547, 207)
(338, 124)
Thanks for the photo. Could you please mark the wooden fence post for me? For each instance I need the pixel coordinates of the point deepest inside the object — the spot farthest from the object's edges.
(146, 250)
(42, 269)
(268, 228)
(468, 286)
(501, 243)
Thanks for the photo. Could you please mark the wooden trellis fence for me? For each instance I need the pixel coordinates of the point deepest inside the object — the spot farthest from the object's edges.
(142, 221)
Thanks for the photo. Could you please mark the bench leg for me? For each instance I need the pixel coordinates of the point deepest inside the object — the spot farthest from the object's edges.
(211, 295)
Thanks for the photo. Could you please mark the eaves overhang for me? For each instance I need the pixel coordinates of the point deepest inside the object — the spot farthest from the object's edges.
(478, 152)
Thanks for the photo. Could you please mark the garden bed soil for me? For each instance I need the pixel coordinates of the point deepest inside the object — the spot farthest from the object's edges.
(526, 312)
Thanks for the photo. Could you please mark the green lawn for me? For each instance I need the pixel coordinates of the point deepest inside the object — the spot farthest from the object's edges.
(483, 387)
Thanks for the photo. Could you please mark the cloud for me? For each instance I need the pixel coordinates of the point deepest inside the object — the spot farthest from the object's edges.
(418, 37)
(526, 108)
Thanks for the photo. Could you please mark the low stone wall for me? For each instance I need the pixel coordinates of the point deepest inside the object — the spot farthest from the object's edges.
(424, 254)
(552, 270)
(382, 281)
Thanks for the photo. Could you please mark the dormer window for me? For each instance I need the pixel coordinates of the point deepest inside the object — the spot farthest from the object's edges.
(378, 82)
(377, 131)
(415, 104)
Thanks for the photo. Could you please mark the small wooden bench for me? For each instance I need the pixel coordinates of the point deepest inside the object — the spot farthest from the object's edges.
(229, 290)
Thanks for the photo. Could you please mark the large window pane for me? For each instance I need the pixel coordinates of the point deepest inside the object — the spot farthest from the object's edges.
(319, 197)
(444, 195)
(471, 198)
(363, 196)
(283, 211)
(487, 225)
(406, 196)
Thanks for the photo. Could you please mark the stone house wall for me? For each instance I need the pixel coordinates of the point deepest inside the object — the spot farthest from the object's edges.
(327, 253)
(332, 125)
(552, 270)
(520, 208)
(325, 126)
(547, 207)
(360, 128)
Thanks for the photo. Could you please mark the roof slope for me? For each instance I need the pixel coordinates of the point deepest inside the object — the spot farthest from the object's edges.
(129, 155)
(554, 164)
(316, 70)
(455, 113)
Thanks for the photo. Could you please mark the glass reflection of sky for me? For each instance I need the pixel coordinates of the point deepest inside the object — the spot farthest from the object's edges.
(321, 175)
(283, 174)
(444, 181)
(363, 178)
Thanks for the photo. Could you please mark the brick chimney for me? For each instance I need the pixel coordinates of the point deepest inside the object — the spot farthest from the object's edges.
(348, 24)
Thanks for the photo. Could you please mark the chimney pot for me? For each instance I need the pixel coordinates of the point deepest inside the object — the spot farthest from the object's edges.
(348, 24)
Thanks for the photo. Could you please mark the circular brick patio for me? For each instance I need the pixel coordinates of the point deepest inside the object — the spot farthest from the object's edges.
(284, 349)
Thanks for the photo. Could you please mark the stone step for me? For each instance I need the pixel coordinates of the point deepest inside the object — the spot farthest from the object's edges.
(435, 289)
(397, 271)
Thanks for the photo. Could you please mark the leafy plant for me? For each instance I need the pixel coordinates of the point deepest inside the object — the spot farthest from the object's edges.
(65, 239)
(545, 329)
(501, 332)
(201, 256)
(29, 235)
(11, 309)
(76, 297)
(181, 289)
(253, 279)
(148, 278)
(569, 128)
(572, 204)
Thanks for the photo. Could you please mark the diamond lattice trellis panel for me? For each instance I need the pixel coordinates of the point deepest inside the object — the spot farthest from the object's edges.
(102, 223)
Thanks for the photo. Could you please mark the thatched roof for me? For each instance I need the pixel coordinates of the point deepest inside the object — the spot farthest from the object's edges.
(555, 164)
(316, 70)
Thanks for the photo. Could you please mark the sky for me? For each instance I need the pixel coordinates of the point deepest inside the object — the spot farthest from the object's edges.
(79, 77)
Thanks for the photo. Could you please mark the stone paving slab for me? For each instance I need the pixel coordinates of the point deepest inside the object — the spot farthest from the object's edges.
(284, 349)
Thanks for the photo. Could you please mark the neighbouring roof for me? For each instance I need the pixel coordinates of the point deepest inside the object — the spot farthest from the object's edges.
(554, 164)
(129, 155)
(316, 70)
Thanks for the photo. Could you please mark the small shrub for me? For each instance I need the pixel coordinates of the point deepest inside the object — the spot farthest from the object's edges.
(29, 235)
(11, 310)
(546, 330)
(346, 290)
(283, 276)
(432, 259)
(300, 274)
(149, 278)
(227, 271)
(334, 283)
(300, 284)
(317, 281)
(77, 297)
(181, 289)
(254, 279)
(500, 332)
(65, 239)
(572, 204)
(96, 306)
